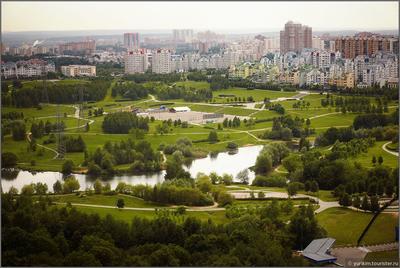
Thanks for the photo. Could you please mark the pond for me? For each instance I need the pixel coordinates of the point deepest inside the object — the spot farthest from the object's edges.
(222, 163)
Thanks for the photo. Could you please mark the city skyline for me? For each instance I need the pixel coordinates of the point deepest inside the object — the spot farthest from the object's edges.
(254, 15)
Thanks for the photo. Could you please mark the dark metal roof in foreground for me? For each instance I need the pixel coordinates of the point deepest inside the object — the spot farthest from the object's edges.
(317, 250)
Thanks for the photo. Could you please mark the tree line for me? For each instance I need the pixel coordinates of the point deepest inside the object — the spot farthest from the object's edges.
(93, 90)
(129, 90)
(123, 122)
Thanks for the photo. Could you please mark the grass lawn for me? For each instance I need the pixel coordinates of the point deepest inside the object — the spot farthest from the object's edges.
(105, 200)
(128, 215)
(381, 256)
(382, 230)
(257, 94)
(345, 225)
(194, 84)
(366, 158)
(236, 111)
(333, 120)
(47, 110)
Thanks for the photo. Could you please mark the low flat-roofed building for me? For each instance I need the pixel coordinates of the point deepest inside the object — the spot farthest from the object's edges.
(180, 109)
(318, 250)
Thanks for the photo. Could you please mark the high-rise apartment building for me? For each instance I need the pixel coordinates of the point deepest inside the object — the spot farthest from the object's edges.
(182, 35)
(161, 61)
(86, 47)
(364, 44)
(131, 41)
(136, 61)
(295, 37)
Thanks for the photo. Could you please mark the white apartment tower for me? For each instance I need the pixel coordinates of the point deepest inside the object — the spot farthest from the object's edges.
(161, 61)
(136, 61)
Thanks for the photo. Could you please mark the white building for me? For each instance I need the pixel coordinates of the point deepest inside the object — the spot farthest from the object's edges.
(29, 68)
(136, 61)
(315, 77)
(161, 61)
(78, 70)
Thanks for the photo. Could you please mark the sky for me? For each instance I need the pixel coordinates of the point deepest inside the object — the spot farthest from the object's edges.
(60, 16)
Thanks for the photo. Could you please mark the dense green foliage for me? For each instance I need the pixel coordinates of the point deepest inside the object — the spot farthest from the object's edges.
(140, 154)
(123, 122)
(8, 159)
(272, 181)
(188, 94)
(271, 155)
(36, 234)
(74, 144)
(59, 93)
(147, 77)
(285, 128)
(130, 91)
(375, 120)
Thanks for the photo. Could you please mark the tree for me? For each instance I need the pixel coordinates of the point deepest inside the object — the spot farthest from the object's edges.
(263, 163)
(57, 187)
(67, 167)
(304, 227)
(27, 190)
(356, 202)
(40, 188)
(120, 203)
(227, 179)
(214, 177)
(71, 184)
(373, 160)
(314, 186)
(18, 131)
(243, 176)
(380, 160)
(98, 187)
(261, 195)
(8, 159)
(375, 204)
(203, 183)
(224, 199)
(294, 187)
(345, 200)
(365, 205)
(212, 136)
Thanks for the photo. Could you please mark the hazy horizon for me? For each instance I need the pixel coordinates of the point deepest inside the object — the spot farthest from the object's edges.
(19, 17)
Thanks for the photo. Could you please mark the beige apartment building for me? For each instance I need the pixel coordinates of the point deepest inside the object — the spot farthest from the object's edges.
(78, 70)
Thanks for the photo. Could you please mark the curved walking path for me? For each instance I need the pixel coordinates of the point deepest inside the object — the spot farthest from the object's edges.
(388, 151)
(322, 115)
(208, 208)
(28, 137)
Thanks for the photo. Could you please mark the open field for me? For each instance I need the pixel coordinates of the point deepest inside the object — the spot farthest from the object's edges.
(257, 94)
(105, 200)
(366, 158)
(343, 224)
(47, 110)
(128, 215)
(382, 230)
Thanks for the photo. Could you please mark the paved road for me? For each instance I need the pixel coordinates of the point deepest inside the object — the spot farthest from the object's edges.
(388, 151)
